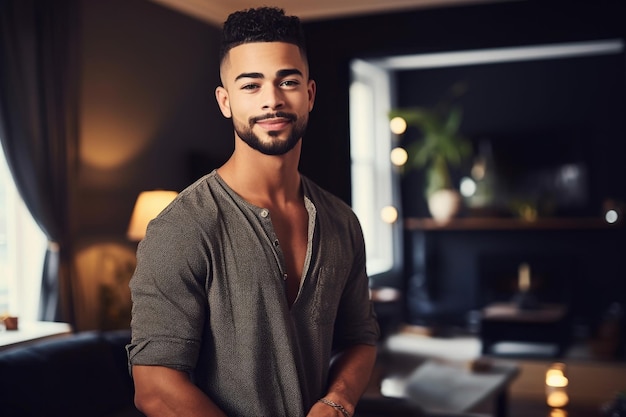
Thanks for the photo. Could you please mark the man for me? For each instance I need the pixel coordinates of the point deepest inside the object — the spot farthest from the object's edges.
(254, 278)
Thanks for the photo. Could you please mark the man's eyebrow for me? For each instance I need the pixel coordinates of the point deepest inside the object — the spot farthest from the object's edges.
(288, 72)
(249, 75)
(280, 74)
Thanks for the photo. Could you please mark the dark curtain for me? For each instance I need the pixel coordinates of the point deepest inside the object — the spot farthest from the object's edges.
(38, 127)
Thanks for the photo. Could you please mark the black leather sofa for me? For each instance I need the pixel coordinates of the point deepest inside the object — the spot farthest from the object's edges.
(82, 375)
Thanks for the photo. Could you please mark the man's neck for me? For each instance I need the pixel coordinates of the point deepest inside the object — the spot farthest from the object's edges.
(264, 180)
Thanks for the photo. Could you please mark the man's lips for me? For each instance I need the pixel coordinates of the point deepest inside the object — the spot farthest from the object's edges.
(274, 124)
(274, 121)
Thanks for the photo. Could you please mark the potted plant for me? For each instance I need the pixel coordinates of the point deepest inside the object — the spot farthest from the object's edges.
(441, 147)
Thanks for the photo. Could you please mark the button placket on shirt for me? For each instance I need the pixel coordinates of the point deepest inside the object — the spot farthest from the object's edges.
(266, 220)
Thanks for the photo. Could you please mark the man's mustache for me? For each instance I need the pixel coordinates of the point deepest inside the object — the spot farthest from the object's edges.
(289, 116)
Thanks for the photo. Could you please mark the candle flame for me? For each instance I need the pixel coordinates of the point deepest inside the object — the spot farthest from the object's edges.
(523, 277)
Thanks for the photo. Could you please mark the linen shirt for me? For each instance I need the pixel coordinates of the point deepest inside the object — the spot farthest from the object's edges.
(209, 298)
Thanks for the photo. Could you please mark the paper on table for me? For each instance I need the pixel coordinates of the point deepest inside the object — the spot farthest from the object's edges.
(437, 386)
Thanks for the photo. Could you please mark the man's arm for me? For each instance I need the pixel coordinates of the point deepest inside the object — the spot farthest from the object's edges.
(165, 392)
(349, 376)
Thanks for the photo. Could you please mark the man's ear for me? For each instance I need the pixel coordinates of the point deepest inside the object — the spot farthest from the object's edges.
(221, 95)
(311, 87)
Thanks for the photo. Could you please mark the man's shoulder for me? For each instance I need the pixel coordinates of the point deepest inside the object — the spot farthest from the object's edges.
(198, 197)
(318, 195)
(330, 207)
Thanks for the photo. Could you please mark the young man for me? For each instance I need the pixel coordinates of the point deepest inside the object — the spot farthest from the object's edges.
(254, 278)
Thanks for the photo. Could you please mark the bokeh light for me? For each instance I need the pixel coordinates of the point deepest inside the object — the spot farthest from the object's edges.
(479, 169)
(399, 156)
(468, 187)
(389, 214)
(397, 125)
(611, 216)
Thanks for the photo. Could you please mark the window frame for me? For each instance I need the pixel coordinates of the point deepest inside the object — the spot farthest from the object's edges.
(374, 181)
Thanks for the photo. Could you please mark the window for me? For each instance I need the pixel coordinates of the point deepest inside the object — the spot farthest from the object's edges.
(22, 251)
(374, 186)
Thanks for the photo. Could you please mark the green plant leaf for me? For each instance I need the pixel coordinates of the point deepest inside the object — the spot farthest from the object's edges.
(441, 144)
(453, 122)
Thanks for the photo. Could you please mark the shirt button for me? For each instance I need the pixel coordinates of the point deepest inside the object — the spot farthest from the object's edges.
(264, 213)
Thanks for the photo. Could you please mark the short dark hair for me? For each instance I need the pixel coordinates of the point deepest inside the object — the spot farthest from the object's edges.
(263, 24)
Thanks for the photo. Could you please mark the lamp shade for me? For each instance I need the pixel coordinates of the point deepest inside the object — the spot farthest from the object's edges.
(149, 204)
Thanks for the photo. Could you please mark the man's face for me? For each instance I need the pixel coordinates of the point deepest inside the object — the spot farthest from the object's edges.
(267, 93)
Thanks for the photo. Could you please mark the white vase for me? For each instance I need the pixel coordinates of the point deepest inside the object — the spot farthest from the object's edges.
(444, 204)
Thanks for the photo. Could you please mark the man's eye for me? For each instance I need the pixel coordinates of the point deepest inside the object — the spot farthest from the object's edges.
(290, 83)
(249, 87)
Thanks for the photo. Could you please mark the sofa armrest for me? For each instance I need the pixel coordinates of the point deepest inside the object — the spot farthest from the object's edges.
(76, 376)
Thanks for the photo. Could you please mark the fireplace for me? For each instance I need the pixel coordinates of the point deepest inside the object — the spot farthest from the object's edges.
(527, 298)
(544, 278)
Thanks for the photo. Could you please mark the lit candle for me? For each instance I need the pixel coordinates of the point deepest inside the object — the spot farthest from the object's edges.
(523, 277)
(556, 381)
(557, 399)
(558, 412)
(556, 386)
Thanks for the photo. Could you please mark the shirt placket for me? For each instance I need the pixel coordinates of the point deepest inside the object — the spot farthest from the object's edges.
(272, 239)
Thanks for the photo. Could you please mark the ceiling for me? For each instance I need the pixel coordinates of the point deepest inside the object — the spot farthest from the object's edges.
(216, 11)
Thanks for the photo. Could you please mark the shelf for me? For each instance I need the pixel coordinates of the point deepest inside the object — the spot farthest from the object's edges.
(504, 223)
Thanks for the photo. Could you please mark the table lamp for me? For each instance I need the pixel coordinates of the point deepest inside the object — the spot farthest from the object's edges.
(148, 205)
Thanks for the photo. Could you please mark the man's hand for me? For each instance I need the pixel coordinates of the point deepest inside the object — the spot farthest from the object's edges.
(349, 376)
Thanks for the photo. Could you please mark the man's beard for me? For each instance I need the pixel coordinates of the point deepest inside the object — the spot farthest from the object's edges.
(274, 146)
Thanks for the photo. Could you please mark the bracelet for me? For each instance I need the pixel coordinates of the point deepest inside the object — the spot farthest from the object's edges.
(335, 406)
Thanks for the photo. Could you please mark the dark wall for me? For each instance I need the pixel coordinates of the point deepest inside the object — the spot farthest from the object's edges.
(535, 117)
(450, 273)
(147, 105)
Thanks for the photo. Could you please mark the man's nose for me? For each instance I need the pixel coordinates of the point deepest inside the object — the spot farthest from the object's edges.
(273, 98)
